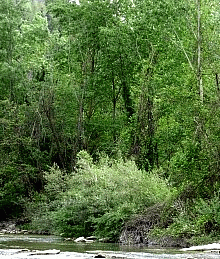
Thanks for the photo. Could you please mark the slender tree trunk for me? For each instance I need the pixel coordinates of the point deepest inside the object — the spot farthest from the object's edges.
(48, 110)
(80, 139)
(57, 139)
(199, 63)
(114, 100)
(126, 91)
(150, 144)
(217, 82)
(80, 126)
(147, 154)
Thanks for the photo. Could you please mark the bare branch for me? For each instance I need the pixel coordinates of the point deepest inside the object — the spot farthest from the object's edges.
(184, 51)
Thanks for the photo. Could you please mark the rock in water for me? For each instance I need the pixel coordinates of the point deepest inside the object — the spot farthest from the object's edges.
(80, 239)
(45, 252)
(91, 238)
(99, 256)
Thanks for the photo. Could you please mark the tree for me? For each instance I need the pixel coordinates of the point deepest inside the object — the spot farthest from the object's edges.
(21, 158)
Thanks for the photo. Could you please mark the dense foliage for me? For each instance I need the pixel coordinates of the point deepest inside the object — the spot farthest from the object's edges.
(131, 80)
(97, 199)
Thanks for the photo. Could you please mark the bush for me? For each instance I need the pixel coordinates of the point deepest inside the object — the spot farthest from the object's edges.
(99, 198)
(208, 215)
(198, 221)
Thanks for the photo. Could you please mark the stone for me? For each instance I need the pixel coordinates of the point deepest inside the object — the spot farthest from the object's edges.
(89, 241)
(11, 226)
(99, 256)
(80, 239)
(91, 238)
(23, 231)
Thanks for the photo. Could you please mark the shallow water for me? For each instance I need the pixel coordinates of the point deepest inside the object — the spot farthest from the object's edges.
(38, 242)
(11, 248)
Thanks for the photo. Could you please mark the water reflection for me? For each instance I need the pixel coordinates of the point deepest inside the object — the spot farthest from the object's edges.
(33, 242)
(38, 242)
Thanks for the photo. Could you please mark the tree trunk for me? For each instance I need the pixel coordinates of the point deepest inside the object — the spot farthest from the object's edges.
(114, 100)
(199, 64)
(48, 110)
(145, 145)
(126, 91)
(217, 82)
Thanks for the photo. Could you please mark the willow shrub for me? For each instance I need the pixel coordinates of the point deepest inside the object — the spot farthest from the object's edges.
(99, 198)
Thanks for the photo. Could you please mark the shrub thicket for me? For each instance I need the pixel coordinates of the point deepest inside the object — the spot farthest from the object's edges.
(198, 221)
(97, 199)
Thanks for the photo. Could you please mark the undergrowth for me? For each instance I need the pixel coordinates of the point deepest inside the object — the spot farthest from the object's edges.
(97, 199)
(197, 221)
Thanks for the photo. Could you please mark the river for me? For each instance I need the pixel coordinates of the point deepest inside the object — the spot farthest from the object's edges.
(41, 247)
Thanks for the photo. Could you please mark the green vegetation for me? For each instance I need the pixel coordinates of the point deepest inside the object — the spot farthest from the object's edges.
(97, 199)
(197, 222)
(108, 108)
(100, 198)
